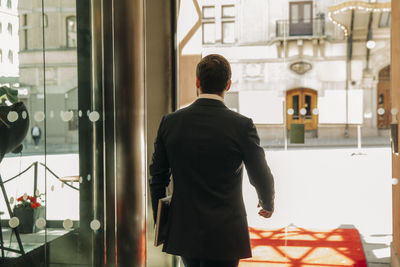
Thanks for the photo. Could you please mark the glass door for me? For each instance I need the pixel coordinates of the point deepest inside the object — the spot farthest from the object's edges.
(51, 185)
(300, 18)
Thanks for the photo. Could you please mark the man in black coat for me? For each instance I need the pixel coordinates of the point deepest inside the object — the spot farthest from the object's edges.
(204, 147)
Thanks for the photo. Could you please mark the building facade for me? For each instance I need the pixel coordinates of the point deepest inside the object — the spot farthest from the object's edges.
(317, 63)
(9, 42)
(58, 80)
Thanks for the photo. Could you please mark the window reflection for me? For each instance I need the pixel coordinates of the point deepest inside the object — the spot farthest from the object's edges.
(10, 28)
(24, 32)
(208, 24)
(71, 31)
(385, 19)
(228, 32)
(208, 12)
(228, 11)
(10, 57)
(307, 13)
(208, 33)
(294, 16)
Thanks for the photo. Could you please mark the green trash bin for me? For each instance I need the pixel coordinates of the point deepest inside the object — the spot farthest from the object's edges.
(296, 133)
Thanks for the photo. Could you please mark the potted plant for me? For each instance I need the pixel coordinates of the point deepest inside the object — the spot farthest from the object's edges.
(24, 211)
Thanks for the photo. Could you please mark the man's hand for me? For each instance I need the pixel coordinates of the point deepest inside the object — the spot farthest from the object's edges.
(264, 213)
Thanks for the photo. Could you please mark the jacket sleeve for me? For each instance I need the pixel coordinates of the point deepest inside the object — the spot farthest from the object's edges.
(160, 171)
(260, 175)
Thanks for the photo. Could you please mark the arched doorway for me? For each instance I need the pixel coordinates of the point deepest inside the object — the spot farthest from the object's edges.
(301, 108)
(384, 104)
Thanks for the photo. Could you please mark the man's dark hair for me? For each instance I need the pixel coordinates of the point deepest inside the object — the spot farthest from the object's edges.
(214, 73)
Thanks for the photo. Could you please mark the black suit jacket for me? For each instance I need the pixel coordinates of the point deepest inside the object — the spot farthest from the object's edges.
(204, 147)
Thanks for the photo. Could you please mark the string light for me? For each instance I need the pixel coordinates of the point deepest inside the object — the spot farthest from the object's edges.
(355, 5)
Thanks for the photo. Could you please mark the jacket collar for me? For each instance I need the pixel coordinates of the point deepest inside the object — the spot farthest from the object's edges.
(209, 102)
(212, 96)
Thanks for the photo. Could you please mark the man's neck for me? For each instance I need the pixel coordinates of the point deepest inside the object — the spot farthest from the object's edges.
(211, 96)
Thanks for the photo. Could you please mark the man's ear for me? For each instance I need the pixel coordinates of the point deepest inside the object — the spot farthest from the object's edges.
(197, 83)
(229, 86)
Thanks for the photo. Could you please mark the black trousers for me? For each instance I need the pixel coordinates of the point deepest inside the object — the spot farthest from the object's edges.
(208, 263)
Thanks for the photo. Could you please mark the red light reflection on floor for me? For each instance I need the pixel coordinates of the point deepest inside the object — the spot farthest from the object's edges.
(300, 247)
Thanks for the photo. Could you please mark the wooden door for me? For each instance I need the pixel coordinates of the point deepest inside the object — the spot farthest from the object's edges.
(300, 18)
(301, 108)
(384, 104)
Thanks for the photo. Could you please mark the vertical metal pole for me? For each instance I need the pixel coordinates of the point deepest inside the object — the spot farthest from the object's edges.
(35, 177)
(109, 166)
(90, 243)
(348, 70)
(97, 181)
(284, 124)
(130, 132)
(369, 38)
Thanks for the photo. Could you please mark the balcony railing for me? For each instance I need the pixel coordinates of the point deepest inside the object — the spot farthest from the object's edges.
(312, 27)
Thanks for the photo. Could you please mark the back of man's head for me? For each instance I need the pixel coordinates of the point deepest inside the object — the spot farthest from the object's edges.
(214, 74)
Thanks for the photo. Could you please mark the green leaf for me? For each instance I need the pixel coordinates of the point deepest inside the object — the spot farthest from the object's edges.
(9, 94)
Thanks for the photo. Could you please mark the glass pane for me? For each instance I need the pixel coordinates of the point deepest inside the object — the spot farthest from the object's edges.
(228, 11)
(45, 195)
(208, 33)
(345, 126)
(71, 31)
(307, 106)
(294, 13)
(385, 19)
(10, 28)
(296, 107)
(10, 57)
(380, 99)
(208, 12)
(307, 13)
(228, 32)
(23, 200)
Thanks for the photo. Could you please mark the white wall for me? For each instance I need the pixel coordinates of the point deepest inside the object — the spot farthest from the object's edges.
(332, 107)
(331, 71)
(250, 13)
(264, 107)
